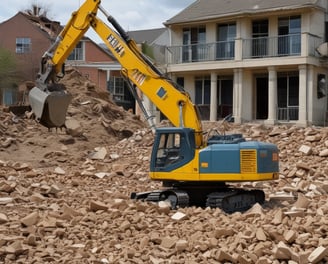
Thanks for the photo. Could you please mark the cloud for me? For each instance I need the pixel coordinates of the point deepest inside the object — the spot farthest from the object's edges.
(152, 14)
(130, 14)
(135, 14)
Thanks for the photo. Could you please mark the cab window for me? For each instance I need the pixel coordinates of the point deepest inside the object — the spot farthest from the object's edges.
(169, 150)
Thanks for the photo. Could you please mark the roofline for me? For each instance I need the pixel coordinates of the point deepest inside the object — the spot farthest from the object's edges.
(148, 29)
(245, 13)
(101, 66)
(37, 28)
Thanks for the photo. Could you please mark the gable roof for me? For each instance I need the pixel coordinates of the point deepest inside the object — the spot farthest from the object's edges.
(147, 35)
(41, 24)
(50, 29)
(211, 9)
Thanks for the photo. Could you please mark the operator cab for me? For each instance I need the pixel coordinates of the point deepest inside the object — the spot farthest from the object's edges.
(173, 148)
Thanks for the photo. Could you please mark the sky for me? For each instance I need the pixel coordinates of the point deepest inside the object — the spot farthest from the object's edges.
(130, 14)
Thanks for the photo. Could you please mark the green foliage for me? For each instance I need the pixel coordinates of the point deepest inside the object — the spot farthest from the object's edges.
(8, 69)
(147, 50)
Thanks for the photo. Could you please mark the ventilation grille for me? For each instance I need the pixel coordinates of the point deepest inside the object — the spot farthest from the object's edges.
(248, 161)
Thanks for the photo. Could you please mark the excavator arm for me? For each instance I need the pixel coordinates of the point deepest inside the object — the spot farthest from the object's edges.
(170, 99)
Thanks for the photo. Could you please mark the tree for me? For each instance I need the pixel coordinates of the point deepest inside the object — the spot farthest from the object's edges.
(10, 77)
(9, 74)
(37, 10)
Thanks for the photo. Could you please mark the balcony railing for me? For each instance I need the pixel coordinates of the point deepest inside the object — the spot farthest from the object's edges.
(313, 43)
(222, 50)
(288, 113)
(287, 45)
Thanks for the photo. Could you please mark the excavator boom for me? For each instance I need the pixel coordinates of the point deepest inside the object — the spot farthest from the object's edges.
(167, 96)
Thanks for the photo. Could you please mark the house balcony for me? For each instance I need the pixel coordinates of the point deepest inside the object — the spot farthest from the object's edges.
(287, 113)
(222, 50)
(263, 47)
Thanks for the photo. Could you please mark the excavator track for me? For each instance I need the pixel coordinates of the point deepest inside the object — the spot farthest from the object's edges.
(177, 198)
(233, 200)
(229, 200)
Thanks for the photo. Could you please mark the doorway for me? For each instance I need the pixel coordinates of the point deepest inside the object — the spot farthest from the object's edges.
(224, 96)
(262, 97)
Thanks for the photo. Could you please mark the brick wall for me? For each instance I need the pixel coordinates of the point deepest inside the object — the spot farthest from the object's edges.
(19, 26)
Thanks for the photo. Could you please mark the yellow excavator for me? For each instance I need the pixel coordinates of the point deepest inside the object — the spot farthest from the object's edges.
(194, 171)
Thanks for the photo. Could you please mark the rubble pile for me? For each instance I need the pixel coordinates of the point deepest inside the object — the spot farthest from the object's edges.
(65, 195)
(95, 108)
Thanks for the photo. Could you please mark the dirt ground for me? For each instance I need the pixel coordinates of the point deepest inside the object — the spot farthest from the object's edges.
(65, 194)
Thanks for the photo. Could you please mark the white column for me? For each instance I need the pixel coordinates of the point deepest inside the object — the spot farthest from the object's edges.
(238, 42)
(310, 94)
(302, 111)
(273, 95)
(237, 95)
(107, 79)
(214, 103)
(108, 75)
(238, 49)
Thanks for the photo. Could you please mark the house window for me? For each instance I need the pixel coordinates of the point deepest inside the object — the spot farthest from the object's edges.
(288, 96)
(23, 45)
(116, 88)
(77, 53)
(260, 38)
(289, 39)
(9, 96)
(203, 96)
(225, 48)
(194, 47)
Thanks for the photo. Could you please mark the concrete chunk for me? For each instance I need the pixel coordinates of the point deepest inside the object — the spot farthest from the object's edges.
(302, 201)
(30, 219)
(73, 127)
(98, 154)
(223, 257)
(181, 245)
(323, 153)
(59, 171)
(282, 252)
(318, 254)
(307, 150)
(164, 207)
(96, 206)
(260, 235)
(3, 218)
(179, 216)
(290, 236)
(6, 200)
(168, 242)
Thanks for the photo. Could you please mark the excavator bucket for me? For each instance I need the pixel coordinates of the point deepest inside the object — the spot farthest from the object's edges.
(50, 107)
